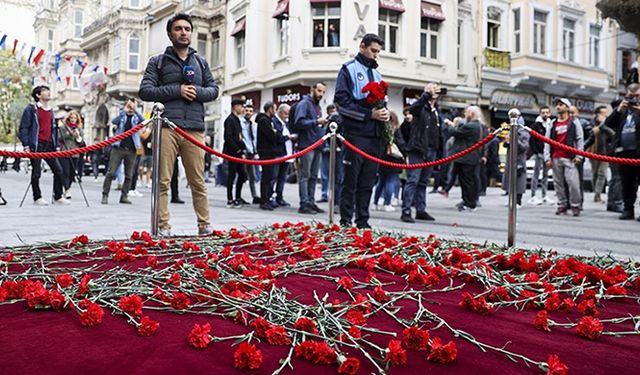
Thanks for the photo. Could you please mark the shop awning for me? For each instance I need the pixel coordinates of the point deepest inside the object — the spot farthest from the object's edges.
(431, 10)
(240, 26)
(282, 9)
(395, 5)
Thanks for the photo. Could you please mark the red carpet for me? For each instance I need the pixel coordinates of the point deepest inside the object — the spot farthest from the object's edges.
(305, 260)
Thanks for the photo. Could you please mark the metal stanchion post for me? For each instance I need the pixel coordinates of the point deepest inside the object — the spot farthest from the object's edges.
(514, 114)
(333, 127)
(158, 109)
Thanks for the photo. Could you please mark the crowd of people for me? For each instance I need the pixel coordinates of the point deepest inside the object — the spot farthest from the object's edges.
(423, 135)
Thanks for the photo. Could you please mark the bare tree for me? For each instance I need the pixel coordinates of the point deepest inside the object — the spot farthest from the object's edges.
(626, 12)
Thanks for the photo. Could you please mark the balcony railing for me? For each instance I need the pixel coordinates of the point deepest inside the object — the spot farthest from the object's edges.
(497, 59)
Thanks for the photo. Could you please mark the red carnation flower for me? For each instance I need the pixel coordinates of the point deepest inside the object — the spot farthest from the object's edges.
(260, 326)
(304, 350)
(323, 354)
(442, 353)
(64, 280)
(567, 304)
(35, 294)
(345, 283)
(305, 324)
(179, 301)
(356, 317)
(355, 332)
(541, 321)
(277, 335)
(199, 336)
(247, 357)
(152, 261)
(349, 366)
(92, 316)
(147, 327)
(174, 279)
(56, 299)
(211, 275)
(589, 328)
(555, 366)
(588, 307)
(380, 295)
(131, 304)
(396, 355)
(83, 288)
(415, 338)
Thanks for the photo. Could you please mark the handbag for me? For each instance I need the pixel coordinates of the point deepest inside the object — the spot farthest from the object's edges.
(394, 152)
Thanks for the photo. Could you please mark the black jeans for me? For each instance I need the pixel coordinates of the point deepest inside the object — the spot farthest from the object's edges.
(69, 168)
(630, 175)
(266, 182)
(235, 169)
(117, 156)
(359, 179)
(468, 183)
(36, 171)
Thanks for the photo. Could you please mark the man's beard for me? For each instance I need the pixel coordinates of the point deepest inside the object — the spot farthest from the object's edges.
(317, 99)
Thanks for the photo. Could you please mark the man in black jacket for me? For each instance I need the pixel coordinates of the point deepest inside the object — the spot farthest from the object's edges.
(183, 96)
(424, 144)
(270, 142)
(234, 145)
(625, 121)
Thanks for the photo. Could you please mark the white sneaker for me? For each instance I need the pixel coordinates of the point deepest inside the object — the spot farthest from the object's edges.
(535, 201)
(389, 208)
(548, 201)
(135, 193)
(67, 194)
(62, 202)
(40, 202)
(395, 202)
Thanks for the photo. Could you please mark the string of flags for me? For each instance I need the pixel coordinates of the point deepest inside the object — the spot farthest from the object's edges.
(63, 65)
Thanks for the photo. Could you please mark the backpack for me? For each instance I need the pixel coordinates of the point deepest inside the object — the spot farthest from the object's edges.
(292, 118)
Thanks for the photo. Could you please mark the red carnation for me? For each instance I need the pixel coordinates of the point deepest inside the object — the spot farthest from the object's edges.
(541, 321)
(35, 294)
(64, 280)
(83, 288)
(415, 338)
(180, 301)
(380, 295)
(152, 261)
(345, 283)
(323, 354)
(147, 327)
(131, 304)
(304, 350)
(174, 279)
(199, 336)
(349, 366)
(247, 357)
(260, 326)
(211, 275)
(589, 327)
(277, 335)
(588, 307)
(305, 324)
(92, 316)
(442, 353)
(395, 354)
(56, 299)
(555, 366)
(356, 317)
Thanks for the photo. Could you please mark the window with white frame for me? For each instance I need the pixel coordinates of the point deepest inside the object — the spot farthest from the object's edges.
(429, 32)
(539, 32)
(77, 23)
(240, 48)
(517, 35)
(133, 52)
(283, 31)
(202, 45)
(50, 40)
(569, 39)
(215, 48)
(388, 26)
(460, 50)
(594, 45)
(493, 27)
(116, 54)
(326, 24)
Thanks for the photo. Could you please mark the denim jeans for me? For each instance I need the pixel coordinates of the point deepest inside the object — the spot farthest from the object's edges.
(387, 186)
(309, 169)
(324, 175)
(417, 179)
(539, 165)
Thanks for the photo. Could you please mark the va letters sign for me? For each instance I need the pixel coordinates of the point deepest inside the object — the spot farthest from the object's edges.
(362, 11)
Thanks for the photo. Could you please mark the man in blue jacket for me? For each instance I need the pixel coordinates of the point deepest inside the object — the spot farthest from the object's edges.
(39, 133)
(124, 150)
(309, 124)
(362, 126)
(183, 96)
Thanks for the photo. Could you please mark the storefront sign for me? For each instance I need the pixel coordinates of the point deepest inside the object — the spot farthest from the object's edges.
(251, 98)
(290, 94)
(583, 105)
(509, 99)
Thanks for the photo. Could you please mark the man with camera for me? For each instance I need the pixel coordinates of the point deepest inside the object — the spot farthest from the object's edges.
(625, 121)
(424, 144)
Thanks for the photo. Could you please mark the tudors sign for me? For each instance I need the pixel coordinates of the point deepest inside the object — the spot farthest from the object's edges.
(290, 94)
(501, 98)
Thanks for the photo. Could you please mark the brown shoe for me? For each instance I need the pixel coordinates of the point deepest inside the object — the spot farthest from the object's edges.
(561, 210)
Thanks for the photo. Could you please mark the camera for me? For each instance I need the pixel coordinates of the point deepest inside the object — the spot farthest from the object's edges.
(442, 91)
(632, 100)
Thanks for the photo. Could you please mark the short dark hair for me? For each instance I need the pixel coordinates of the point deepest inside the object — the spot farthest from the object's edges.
(268, 105)
(179, 16)
(315, 85)
(544, 107)
(600, 108)
(405, 110)
(372, 38)
(249, 106)
(331, 107)
(37, 90)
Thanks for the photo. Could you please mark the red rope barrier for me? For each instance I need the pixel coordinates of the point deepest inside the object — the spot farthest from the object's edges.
(590, 155)
(429, 164)
(234, 159)
(77, 151)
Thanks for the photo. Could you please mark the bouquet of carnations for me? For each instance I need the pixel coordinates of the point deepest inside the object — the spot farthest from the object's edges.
(377, 98)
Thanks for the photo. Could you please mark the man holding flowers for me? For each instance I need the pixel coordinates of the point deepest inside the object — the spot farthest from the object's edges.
(364, 126)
